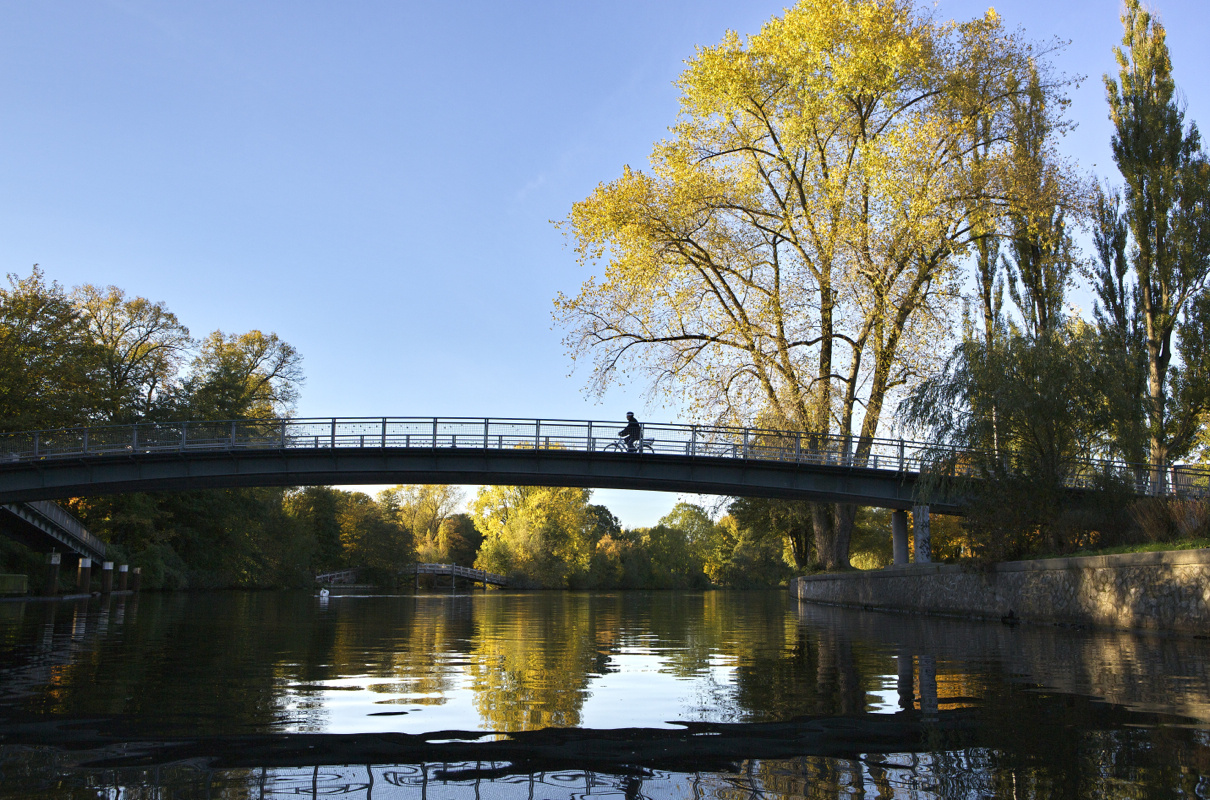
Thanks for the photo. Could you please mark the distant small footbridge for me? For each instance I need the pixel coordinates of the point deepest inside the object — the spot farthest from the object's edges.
(347, 577)
(454, 571)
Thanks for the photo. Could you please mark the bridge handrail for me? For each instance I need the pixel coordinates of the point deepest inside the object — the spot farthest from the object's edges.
(486, 434)
(336, 576)
(458, 570)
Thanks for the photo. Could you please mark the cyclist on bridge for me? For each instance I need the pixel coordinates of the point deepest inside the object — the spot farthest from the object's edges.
(631, 432)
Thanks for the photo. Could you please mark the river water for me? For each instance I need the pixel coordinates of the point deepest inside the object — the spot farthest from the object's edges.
(584, 695)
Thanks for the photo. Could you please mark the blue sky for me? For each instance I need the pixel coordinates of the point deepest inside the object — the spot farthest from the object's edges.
(374, 181)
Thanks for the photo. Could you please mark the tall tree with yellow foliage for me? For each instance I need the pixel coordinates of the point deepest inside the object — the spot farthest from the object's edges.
(790, 256)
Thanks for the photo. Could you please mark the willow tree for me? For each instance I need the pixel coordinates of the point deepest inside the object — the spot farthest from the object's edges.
(790, 254)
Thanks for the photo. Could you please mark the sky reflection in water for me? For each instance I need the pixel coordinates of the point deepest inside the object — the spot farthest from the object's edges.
(897, 704)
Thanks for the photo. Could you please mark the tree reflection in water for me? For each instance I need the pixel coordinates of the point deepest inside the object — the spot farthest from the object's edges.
(853, 704)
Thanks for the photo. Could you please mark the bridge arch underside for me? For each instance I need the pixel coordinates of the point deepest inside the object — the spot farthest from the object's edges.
(83, 476)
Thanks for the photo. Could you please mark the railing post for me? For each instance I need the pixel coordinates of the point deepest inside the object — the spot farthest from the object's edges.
(184, 434)
(384, 432)
(589, 439)
(901, 456)
(283, 434)
(434, 433)
(693, 440)
(537, 434)
(486, 425)
(333, 433)
(134, 437)
(37, 439)
(233, 434)
(797, 447)
(745, 455)
(86, 441)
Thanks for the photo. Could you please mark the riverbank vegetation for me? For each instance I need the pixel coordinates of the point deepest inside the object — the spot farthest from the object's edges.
(94, 356)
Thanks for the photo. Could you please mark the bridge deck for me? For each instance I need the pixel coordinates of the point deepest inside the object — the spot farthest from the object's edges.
(43, 526)
(688, 458)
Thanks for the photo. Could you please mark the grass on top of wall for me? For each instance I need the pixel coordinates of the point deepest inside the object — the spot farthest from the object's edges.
(1144, 547)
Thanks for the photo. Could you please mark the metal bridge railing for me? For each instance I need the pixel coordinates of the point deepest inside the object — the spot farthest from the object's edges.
(411, 433)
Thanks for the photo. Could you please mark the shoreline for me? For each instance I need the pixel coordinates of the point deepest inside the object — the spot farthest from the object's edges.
(1157, 591)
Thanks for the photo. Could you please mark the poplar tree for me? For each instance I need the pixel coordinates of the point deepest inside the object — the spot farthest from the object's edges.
(1166, 196)
(1040, 259)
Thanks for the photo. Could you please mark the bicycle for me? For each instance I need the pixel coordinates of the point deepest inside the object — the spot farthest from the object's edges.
(619, 446)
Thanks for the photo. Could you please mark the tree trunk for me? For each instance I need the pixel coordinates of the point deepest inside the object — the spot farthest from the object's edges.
(1158, 357)
(833, 524)
(802, 545)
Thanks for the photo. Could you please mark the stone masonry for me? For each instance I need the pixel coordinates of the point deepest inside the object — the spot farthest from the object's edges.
(1167, 591)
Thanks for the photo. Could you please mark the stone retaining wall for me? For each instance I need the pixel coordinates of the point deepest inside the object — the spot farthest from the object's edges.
(1159, 591)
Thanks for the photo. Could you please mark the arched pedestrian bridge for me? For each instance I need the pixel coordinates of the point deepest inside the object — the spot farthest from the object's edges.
(44, 465)
(453, 571)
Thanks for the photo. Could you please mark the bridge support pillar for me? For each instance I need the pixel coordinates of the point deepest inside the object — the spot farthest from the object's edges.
(51, 588)
(907, 681)
(928, 685)
(924, 543)
(84, 574)
(123, 571)
(106, 577)
(899, 537)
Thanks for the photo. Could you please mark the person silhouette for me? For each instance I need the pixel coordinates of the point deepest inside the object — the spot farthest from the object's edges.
(631, 432)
